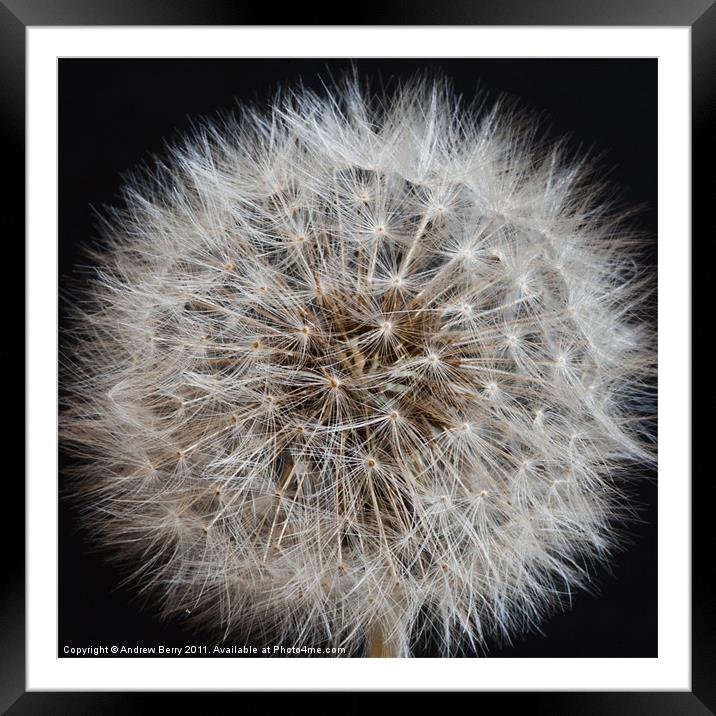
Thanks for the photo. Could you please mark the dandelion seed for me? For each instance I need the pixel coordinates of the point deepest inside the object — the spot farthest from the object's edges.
(360, 345)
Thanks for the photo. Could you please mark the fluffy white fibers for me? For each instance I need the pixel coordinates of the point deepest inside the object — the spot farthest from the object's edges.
(361, 370)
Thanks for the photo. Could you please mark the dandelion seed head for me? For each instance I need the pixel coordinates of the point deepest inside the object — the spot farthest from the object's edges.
(358, 361)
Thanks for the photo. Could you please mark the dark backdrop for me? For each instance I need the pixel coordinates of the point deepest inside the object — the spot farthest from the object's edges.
(117, 112)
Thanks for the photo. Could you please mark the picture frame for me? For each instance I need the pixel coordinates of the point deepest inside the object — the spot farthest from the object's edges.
(15, 21)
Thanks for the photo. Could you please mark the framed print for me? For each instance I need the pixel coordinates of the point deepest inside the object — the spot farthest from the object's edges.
(359, 342)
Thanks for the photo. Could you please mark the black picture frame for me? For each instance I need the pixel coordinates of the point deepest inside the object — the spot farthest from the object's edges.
(16, 16)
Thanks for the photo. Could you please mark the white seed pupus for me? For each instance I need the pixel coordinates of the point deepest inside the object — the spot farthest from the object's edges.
(364, 365)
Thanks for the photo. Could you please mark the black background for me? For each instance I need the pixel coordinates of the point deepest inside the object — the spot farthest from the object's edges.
(115, 113)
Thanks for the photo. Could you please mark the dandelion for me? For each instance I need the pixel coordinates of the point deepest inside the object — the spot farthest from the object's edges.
(361, 370)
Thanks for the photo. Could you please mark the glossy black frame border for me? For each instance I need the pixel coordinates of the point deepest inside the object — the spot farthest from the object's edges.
(16, 15)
